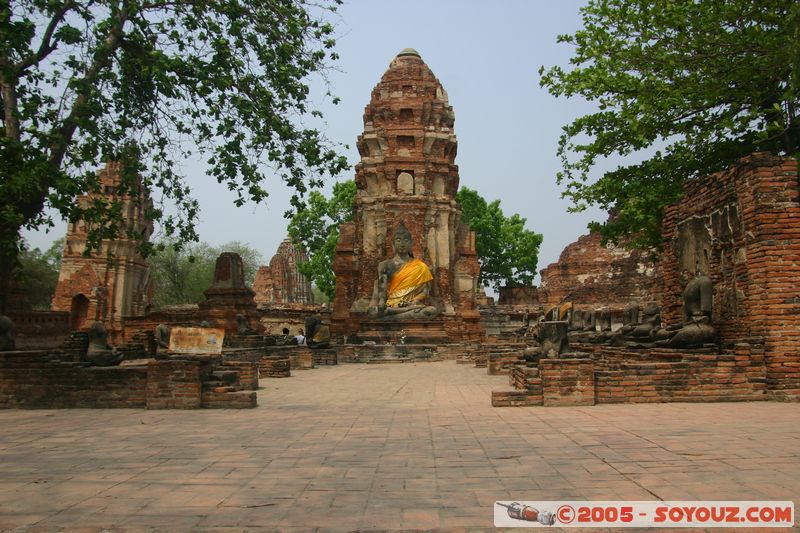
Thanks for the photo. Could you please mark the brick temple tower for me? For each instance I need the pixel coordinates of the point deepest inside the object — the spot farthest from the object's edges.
(95, 288)
(408, 174)
(281, 282)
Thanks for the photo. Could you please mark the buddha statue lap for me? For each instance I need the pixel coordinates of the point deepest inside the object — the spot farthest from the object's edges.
(318, 335)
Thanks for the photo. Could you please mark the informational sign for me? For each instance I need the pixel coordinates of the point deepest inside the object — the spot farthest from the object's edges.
(196, 340)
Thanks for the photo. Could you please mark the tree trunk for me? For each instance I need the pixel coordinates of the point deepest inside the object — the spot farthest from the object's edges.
(9, 255)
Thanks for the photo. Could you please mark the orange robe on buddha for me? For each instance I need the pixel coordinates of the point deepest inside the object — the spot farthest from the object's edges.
(407, 286)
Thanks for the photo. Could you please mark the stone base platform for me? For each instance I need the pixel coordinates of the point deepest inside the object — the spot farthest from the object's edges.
(387, 353)
(41, 380)
(432, 331)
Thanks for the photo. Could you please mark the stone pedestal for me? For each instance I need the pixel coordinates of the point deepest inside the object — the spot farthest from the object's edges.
(567, 381)
(432, 331)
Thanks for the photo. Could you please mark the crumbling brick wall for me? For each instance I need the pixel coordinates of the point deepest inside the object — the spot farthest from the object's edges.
(742, 228)
(593, 274)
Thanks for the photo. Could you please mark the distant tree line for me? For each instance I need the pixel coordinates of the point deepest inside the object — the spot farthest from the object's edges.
(179, 276)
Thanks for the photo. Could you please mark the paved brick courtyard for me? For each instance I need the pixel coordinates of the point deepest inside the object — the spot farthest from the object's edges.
(379, 447)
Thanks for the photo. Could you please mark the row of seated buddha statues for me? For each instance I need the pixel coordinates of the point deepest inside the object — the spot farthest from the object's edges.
(641, 322)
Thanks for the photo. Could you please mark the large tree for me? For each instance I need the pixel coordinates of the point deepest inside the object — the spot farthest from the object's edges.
(316, 229)
(508, 253)
(147, 82)
(181, 275)
(683, 88)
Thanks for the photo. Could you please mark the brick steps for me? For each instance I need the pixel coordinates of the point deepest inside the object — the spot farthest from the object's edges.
(227, 386)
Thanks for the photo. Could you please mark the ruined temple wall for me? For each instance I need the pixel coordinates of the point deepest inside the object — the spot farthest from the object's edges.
(589, 273)
(524, 295)
(742, 227)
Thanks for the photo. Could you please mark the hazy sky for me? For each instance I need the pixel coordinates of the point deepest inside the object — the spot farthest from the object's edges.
(487, 56)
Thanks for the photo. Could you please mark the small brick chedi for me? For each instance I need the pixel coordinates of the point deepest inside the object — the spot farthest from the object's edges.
(229, 300)
(94, 289)
(281, 282)
(407, 177)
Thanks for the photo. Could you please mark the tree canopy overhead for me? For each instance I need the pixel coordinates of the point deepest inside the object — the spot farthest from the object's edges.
(508, 253)
(686, 88)
(146, 82)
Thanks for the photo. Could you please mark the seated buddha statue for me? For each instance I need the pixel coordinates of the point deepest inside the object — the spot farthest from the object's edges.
(403, 284)
(696, 329)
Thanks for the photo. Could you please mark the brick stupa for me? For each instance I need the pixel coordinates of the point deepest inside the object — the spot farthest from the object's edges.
(114, 280)
(408, 174)
(282, 283)
(229, 296)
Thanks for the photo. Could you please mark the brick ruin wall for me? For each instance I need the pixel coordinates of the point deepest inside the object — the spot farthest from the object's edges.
(742, 227)
(590, 274)
(262, 286)
(521, 296)
(31, 379)
(612, 374)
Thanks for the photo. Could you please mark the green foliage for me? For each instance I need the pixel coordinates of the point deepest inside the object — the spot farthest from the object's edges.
(316, 229)
(180, 275)
(686, 87)
(144, 83)
(38, 273)
(508, 253)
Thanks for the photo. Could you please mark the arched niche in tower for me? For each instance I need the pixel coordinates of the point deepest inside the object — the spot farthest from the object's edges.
(405, 183)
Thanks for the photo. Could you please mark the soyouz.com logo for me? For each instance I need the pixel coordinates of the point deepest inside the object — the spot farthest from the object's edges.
(619, 514)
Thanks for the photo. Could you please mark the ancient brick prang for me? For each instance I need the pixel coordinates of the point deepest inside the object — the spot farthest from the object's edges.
(262, 286)
(408, 174)
(281, 282)
(113, 281)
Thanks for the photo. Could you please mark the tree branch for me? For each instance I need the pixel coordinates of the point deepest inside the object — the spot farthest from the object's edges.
(101, 60)
(46, 47)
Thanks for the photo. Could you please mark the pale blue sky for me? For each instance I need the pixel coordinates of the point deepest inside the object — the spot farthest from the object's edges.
(487, 56)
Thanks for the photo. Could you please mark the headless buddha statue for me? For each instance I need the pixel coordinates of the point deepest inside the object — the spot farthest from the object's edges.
(403, 284)
(696, 329)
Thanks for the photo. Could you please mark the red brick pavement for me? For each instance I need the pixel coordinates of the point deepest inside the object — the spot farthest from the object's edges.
(379, 447)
